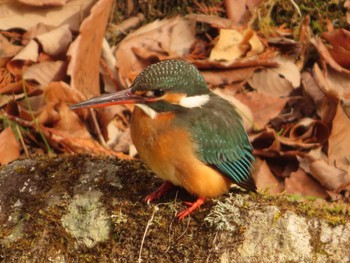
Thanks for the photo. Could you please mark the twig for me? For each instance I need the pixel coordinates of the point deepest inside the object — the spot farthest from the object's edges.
(98, 130)
(145, 233)
(22, 141)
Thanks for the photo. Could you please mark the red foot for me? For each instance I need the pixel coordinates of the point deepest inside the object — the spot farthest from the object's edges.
(192, 207)
(159, 192)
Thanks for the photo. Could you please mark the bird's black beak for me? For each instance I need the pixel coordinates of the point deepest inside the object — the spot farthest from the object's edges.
(121, 97)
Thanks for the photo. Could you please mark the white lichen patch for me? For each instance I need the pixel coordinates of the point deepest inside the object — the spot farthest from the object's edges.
(227, 215)
(87, 220)
(266, 234)
(335, 241)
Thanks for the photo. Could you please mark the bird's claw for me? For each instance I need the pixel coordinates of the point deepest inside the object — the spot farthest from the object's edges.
(159, 192)
(191, 207)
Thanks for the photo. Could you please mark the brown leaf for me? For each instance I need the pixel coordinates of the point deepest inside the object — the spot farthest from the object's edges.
(214, 21)
(9, 146)
(339, 140)
(86, 50)
(153, 39)
(311, 87)
(13, 15)
(308, 130)
(278, 81)
(233, 44)
(35, 31)
(299, 183)
(8, 50)
(340, 49)
(327, 57)
(45, 72)
(56, 41)
(264, 178)
(264, 107)
(43, 2)
(229, 76)
(331, 81)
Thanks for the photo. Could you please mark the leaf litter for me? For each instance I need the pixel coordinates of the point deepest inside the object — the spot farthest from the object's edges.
(289, 82)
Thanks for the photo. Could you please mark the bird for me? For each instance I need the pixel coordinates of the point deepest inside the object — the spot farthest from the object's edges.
(185, 133)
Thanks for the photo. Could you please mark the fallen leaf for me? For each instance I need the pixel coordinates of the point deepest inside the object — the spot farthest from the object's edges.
(212, 20)
(311, 87)
(332, 81)
(85, 52)
(44, 2)
(8, 50)
(339, 141)
(45, 72)
(154, 36)
(227, 76)
(56, 41)
(233, 44)
(326, 56)
(9, 146)
(308, 130)
(347, 6)
(13, 15)
(181, 45)
(264, 179)
(300, 183)
(264, 107)
(279, 81)
(340, 46)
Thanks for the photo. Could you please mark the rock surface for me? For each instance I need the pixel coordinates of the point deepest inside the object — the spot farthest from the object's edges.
(91, 209)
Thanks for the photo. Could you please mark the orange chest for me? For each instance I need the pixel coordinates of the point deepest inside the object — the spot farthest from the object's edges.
(160, 145)
(147, 132)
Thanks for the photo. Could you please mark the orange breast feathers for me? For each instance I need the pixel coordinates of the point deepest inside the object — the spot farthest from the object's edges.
(170, 153)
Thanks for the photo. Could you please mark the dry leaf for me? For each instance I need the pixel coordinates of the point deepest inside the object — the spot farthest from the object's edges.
(29, 53)
(35, 31)
(8, 50)
(9, 146)
(264, 178)
(13, 15)
(311, 87)
(308, 130)
(45, 72)
(56, 41)
(86, 51)
(264, 107)
(339, 140)
(327, 57)
(181, 45)
(347, 6)
(279, 81)
(214, 21)
(340, 49)
(229, 76)
(44, 2)
(233, 44)
(299, 183)
(154, 36)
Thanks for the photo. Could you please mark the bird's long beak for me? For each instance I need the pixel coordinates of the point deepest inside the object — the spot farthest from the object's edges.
(121, 97)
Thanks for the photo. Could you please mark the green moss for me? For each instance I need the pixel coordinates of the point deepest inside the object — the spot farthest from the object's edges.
(272, 14)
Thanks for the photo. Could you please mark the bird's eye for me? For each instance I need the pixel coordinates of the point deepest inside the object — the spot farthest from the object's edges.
(158, 92)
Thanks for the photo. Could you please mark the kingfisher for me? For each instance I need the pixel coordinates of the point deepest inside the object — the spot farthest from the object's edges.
(189, 136)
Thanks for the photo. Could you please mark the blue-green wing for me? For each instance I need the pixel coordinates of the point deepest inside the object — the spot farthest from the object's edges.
(222, 141)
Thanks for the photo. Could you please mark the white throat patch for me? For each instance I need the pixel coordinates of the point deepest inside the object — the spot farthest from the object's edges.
(194, 101)
(149, 111)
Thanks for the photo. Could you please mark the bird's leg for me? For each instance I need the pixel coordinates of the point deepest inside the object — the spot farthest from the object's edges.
(159, 192)
(191, 207)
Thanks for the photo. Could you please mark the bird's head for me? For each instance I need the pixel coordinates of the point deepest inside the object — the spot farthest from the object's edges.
(161, 87)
